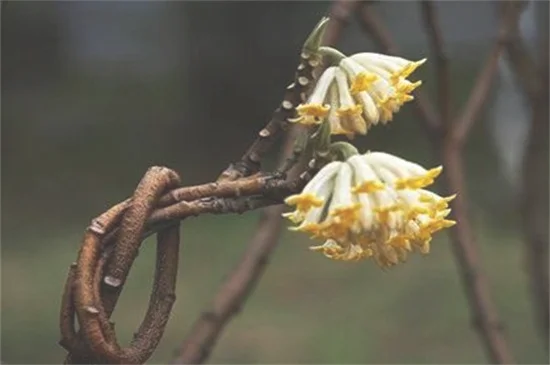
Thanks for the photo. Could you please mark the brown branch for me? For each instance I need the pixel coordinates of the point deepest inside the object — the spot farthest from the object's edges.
(93, 296)
(535, 213)
(232, 295)
(483, 310)
(482, 86)
(147, 193)
(435, 36)
(113, 239)
(93, 305)
(464, 246)
(234, 292)
(520, 58)
(534, 202)
(373, 25)
(175, 203)
(295, 94)
(339, 13)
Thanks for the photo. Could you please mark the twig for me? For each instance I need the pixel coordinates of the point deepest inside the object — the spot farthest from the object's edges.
(372, 25)
(483, 83)
(295, 94)
(483, 310)
(521, 60)
(232, 295)
(485, 317)
(340, 12)
(435, 36)
(534, 202)
(175, 202)
(533, 79)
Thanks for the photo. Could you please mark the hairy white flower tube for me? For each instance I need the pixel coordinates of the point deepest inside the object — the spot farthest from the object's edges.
(362, 90)
(371, 205)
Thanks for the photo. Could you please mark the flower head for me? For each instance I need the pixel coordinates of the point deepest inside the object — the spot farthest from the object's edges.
(371, 205)
(361, 90)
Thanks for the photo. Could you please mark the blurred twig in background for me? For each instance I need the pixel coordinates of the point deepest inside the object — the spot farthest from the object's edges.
(232, 295)
(448, 134)
(531, 73)
(339, 13)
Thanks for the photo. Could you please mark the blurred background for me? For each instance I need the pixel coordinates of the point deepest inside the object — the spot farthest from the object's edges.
(93, 93)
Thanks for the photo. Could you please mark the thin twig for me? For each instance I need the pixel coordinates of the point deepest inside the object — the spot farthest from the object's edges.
(295, 94)
(232, 295)
(483, 310)
(534, 202)
(482, 86)
(176, 199)
(435, 35)
(340, 12)
(522, 62)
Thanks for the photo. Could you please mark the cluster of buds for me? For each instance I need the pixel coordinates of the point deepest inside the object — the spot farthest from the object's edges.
(371, 205)
(360, 91)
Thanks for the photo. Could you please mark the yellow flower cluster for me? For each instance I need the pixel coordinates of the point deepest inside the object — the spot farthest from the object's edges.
(371, 205)
(363, 90)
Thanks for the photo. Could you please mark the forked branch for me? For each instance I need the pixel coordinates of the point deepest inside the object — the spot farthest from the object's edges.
(448, 134)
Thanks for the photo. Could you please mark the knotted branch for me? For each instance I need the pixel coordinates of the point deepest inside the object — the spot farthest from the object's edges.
(91, 295)
(113, 239)
(94, 302)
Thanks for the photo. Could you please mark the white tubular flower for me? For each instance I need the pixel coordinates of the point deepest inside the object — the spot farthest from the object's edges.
(314, 195)
(363, 90)
(381, 80)
(314, 111)
(397, 68)
(372, 205)
(349, 112)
